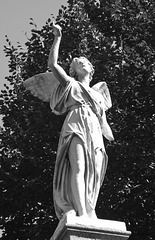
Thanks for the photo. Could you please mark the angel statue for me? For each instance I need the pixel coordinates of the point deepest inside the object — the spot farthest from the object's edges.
(81, 160)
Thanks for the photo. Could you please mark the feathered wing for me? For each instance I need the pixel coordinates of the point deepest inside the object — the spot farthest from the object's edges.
(103, 89)
(42, 85)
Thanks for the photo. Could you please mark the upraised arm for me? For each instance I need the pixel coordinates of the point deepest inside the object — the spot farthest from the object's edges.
(57, 70)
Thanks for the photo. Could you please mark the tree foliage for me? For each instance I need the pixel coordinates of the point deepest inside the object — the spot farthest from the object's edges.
(118, 38)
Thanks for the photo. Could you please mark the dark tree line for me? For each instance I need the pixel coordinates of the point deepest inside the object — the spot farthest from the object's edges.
(118, 37)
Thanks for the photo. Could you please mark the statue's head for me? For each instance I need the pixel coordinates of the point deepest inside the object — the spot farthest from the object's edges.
(81, 64)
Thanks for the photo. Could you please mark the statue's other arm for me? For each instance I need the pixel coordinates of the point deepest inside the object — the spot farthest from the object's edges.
(57, 70)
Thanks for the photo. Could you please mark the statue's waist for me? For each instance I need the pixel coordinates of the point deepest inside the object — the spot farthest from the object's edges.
(76, 106)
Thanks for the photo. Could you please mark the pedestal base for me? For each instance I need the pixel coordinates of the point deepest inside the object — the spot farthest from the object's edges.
(96, 230)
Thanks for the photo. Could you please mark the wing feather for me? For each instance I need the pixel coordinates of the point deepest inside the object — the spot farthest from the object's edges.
(42, 85)
(103, 89)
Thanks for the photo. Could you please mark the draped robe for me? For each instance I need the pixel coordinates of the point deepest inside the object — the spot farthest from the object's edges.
(86, 118)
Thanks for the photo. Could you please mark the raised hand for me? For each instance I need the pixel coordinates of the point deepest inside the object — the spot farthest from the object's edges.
(57, 30)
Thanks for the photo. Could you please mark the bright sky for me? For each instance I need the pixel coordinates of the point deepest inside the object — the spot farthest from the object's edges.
(14, 22)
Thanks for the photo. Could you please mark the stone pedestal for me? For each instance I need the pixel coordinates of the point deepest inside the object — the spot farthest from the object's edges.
(96, 230)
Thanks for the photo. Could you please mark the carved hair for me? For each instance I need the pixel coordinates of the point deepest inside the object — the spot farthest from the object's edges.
(72, 71)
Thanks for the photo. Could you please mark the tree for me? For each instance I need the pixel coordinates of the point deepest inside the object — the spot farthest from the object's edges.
(128, 29)
(117, 37)
(28, 147)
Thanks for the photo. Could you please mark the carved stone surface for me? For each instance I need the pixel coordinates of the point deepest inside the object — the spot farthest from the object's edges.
(83, 234)
(96, 230)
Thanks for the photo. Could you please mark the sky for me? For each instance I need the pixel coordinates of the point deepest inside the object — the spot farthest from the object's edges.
(14, 22)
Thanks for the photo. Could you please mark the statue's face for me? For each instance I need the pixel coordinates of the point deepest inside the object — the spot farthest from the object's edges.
(82, 65)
